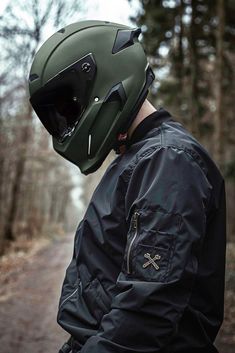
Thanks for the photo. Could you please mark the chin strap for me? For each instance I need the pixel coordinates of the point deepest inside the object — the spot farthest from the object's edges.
(121, 144)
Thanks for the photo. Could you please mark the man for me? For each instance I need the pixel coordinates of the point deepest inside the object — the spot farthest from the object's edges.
(147, 272)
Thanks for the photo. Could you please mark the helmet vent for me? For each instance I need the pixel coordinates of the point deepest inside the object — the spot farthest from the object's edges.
(33, 77)
(62, 30)
(125, 38)
(117, 93)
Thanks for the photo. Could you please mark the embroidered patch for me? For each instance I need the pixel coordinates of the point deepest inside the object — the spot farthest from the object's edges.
(151, 260)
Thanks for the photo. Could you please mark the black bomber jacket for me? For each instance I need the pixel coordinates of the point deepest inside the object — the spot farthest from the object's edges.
(147, 272)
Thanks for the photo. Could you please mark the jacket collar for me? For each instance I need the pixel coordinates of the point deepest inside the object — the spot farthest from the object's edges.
(153, 120)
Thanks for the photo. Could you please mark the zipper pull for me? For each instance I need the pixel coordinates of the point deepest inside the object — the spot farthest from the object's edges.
(135, 220)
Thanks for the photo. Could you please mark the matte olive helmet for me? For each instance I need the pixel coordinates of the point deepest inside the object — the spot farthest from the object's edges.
(87, 84)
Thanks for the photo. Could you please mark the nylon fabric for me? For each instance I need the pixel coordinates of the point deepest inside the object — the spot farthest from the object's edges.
(149, 254)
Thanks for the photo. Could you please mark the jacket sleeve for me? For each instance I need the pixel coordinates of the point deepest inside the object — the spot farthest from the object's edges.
(166, 203)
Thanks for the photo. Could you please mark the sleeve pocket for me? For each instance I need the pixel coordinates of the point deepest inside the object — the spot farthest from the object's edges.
(152, 262)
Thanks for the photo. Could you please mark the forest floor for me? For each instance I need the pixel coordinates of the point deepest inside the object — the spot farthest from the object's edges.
(226, 338)
(30, 284)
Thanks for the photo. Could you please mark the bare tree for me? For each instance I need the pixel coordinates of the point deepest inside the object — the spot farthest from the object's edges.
(22, 29)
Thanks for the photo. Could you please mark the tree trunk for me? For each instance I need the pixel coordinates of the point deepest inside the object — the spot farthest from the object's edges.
(20, 167)
(1, 194)
(194, 65)
(219, 135)
(180, 53)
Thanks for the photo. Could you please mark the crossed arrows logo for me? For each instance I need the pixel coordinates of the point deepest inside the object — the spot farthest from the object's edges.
(151, 261)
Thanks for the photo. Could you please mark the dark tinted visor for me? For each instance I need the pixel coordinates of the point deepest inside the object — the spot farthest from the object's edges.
(60, 103)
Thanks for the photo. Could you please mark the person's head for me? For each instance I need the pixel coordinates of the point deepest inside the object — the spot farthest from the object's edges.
(87, 83)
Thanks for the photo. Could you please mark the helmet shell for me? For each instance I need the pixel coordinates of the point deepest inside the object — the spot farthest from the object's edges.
(124, 67)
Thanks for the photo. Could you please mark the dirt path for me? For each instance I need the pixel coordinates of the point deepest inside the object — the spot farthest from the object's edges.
(28, 310)
(29, 299)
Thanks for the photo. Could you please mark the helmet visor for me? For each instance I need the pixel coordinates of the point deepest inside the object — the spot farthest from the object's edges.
(60, 103)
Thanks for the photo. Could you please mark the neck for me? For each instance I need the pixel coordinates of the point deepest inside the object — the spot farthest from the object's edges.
(146, 109)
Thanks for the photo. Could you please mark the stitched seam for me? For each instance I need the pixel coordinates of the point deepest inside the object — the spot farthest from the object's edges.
(193, 155)
(132, 166)
(151, 149)
(172, 251)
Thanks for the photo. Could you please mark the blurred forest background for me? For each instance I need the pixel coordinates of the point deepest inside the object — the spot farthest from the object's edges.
(191, 46)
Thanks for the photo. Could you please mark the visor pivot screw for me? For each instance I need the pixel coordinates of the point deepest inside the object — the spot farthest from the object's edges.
(86, 67)
(75, 99)
(96, 99)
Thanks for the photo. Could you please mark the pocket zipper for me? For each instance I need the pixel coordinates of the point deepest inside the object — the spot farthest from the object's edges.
(71, 295)
(134, 226)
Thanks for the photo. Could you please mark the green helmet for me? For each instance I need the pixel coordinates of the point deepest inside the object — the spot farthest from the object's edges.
(87, 84)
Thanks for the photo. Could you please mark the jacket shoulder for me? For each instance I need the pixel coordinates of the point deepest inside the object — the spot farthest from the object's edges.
(169, 136)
